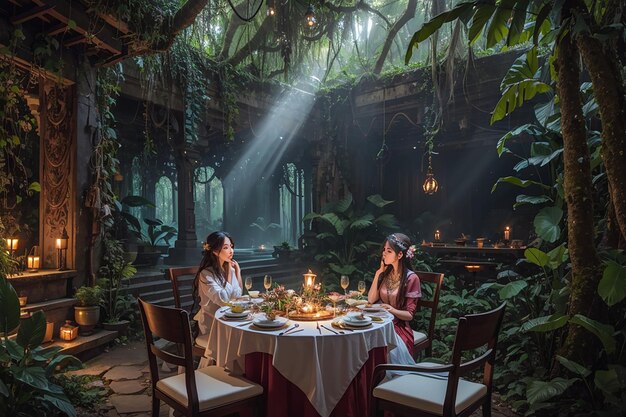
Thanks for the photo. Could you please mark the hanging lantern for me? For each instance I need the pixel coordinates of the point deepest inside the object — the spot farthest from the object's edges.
(271, 8)
(309, 17)
(430, 184)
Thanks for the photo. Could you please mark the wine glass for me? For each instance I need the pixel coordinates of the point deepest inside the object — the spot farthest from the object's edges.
(345, 282)
(248, 283)
(361, 287)
(267, 282)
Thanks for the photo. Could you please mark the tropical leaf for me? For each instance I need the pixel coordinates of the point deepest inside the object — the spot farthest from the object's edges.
(362, 222)
(528, 129)
(340, 206)
(342, 269)
(433, 24)
(540, 391)
(519, 182)
(517, 22)
(33, 376)
(522, 199)
(608, 381)
(515, 95)
(136, 201)
(541, 17)
(604, 332)
(547, 223)
(61, 403)
(498, 29)
(9, 307)
(511, 289)
(32, 330)
(612, 286)
(573, 366)
(335, 221)
(545, 323)
(481, 15)
(378, 201)
(557, 256)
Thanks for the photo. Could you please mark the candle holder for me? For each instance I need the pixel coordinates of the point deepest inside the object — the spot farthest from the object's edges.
(12, 243)
(61, 247)
(68, 331)
(309, 280)
(32, 260)
(507, 233)
(437, 236)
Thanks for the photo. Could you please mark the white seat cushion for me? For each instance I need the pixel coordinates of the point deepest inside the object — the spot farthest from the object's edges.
(214, 385)
(428, 393)
(202, 340)
(418, 337)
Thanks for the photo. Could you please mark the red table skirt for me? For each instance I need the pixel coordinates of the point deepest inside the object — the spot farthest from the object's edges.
(284, 399)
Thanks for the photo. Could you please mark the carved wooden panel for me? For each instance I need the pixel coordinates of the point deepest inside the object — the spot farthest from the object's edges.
(57, 170)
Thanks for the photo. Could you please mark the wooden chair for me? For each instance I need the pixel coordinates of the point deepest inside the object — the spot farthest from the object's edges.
(422, 341)
(438, 390)
(209, 391)
(180, 286)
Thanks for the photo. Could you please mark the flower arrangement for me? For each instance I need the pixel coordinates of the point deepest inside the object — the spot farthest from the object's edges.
(279, 297)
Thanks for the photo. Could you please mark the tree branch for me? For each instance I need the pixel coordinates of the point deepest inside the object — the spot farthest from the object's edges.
(406, 16)
(253, 44)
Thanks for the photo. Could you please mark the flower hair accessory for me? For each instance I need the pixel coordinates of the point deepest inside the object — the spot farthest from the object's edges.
(410, 252)
(205, 246)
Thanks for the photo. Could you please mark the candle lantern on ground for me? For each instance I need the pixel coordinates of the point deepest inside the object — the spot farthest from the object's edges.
(68, 331)
(437, 236)
(507, 233)
(61, 247)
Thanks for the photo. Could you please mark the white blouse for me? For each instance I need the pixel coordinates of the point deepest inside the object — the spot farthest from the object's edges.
(213, 296)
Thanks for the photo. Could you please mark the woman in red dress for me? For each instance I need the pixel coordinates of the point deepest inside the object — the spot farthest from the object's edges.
(395, 286)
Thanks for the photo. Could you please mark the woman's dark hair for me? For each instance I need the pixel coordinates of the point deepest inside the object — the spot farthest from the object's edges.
(214, 243)
(399, 242)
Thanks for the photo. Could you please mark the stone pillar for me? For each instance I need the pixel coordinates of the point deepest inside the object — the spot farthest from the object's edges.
(185, 249)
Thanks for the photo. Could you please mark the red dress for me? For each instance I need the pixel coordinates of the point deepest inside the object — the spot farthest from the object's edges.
(412, 294)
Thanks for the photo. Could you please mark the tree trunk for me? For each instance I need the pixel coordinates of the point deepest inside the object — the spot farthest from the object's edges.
(586, 267)
(231, 29)
(608, 91)
(252, 45)
(408, 14)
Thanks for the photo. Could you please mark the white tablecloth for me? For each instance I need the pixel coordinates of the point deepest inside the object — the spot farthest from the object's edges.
(321, 365)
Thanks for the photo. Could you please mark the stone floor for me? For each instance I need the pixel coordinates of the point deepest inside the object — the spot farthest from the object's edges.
(125, 379)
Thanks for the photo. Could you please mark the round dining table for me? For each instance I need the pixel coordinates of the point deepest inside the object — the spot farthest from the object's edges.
(313, 370)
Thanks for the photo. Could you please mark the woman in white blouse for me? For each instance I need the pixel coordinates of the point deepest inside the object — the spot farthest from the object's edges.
(218, 279)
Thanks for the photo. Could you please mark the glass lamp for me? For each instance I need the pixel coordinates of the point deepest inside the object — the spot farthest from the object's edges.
(309, 17)
(12, 244)
(32, 260)
(309, 279)
(431, 185)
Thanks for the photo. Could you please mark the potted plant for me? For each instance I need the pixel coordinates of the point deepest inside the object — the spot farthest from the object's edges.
(87, 312)
(150, 252)
(27, 368)
(283, 251)
(115, 271)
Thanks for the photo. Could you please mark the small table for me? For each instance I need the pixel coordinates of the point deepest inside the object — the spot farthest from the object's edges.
(324, 366)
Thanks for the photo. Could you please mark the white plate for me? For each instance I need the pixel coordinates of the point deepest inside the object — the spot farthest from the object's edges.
(232, 315)
(374, 308)
(263, 322)
(354, 321)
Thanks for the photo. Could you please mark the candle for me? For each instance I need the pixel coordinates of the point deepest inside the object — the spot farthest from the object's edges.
(437, 235)
(58, 244)
(507, 233)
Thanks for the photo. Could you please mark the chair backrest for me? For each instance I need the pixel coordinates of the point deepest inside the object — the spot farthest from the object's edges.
(472, 332)
(181, 286)
(171, 324)
(435, 278)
